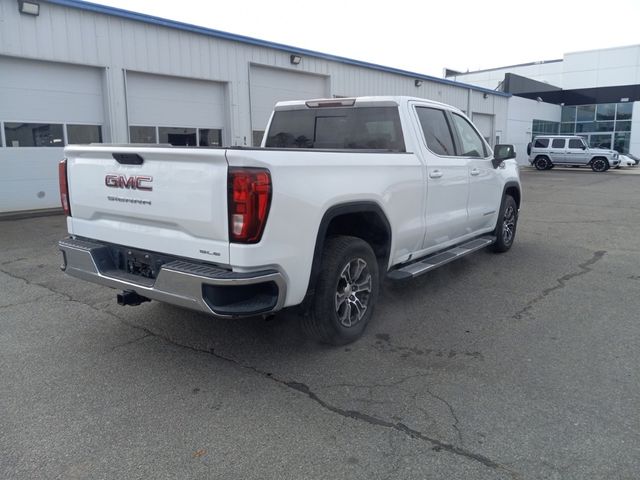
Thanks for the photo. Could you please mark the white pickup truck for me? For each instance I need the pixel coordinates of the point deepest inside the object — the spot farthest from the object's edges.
(342, 193)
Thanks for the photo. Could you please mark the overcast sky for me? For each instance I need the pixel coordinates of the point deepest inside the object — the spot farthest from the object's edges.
(421, 36)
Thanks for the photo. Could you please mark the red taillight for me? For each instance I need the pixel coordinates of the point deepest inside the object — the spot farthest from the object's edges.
(64, 187)
(249, 202)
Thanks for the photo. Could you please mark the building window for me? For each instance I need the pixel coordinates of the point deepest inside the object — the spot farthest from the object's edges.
(177, 136)
(33, 134)
(569, 128)
(140, 134)
(605, 111)
(586, 113)
(84, 134)
(621, 142)
(569, 114)
(583, 127)
(210, 137)
(600, 141)
(623, 126)
(624, 111)
(544, 127)
(594, 131)
(257, 137)
(603, 127)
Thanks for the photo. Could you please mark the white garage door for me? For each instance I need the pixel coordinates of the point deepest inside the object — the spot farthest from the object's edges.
(43, 106)
(271, 85)
(175, 110)
(484, 123)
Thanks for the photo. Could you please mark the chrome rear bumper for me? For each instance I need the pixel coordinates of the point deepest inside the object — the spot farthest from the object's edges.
(197, 286)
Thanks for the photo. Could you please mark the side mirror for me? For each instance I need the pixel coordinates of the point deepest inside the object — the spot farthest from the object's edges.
(501, 153)
(584, 147)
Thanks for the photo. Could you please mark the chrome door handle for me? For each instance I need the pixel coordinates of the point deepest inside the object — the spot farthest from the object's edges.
(435, 174)
(475, 172)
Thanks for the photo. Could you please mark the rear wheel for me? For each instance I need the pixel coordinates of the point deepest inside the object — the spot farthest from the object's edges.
(599, 164)
(542, 163)
(346, 292)
(505, 231)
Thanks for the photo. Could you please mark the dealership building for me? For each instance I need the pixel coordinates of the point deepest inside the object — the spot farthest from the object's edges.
(594, 94)
(79, 72)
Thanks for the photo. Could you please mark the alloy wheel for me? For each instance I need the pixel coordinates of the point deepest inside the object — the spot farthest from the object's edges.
(353, 292)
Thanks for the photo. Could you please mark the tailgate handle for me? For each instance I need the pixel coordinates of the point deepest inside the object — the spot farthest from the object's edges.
(128, 158)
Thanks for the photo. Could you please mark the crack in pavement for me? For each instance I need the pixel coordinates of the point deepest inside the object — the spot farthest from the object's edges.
(456, 421)
(129, 342)
(26, 302)
(9, 262)
(396, 384)
(561, 283)
(436, 445)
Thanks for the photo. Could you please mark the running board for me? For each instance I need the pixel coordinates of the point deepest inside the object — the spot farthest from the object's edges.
(438, 259)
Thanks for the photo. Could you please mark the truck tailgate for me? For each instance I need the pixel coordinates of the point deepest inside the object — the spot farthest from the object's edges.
(174, 202)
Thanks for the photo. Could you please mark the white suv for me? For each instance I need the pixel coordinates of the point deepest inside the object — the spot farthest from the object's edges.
(570, 150)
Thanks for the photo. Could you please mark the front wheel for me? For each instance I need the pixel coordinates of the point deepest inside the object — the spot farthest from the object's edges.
(346, 292)
(505, 231)
(599, 165)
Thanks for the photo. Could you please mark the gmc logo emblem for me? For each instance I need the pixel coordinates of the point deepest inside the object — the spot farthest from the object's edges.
(134, 182)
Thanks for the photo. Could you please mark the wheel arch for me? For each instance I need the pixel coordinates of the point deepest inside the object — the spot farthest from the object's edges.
(348, 219)
(512, 189)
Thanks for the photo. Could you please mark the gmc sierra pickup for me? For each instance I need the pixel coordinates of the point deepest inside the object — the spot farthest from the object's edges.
(342, 193)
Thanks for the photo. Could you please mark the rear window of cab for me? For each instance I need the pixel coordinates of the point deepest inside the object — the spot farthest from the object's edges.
(363, 128)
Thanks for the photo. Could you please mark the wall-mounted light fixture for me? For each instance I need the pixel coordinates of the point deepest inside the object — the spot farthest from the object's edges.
(295, 59)
(29, 8)
(417, 83)
(485, 95)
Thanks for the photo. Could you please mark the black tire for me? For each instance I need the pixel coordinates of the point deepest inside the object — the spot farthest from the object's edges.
(599, 164)
(505, 231)
(346, 262)
(542, 163)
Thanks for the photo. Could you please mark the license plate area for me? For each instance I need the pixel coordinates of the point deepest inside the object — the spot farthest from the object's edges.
(137, 262)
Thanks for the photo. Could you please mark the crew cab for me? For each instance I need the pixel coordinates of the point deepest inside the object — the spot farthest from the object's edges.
(341, 194)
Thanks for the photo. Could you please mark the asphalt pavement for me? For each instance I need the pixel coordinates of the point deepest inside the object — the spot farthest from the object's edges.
(517, 366)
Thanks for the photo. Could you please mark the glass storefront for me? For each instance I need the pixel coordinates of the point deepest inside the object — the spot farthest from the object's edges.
(605, 125)
(544, 127)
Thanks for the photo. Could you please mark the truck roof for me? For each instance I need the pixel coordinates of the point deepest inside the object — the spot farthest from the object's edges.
(370, 101)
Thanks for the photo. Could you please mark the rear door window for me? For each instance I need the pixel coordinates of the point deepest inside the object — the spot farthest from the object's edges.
(437, 131)
(364, 128)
